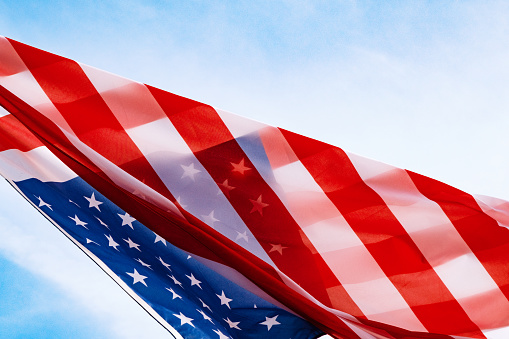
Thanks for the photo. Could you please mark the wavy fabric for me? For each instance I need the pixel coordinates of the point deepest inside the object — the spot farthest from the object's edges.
(358, 248)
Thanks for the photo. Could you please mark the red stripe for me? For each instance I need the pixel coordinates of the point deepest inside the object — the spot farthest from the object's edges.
(487, 240)
(200, 123)
(13, 135)
(383, 236)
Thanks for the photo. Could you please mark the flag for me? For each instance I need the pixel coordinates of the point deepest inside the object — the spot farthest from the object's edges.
(355, 247)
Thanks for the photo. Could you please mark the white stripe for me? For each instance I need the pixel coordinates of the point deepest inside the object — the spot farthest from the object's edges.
(239, 126)
(498, 209)
(11, 63)
(455, 273)
(294, 179)
(37, 163)
(499, 333)
(361, 333)
(332, 235)
(104, 81)
(3, 112)
(436, 237)
(24, 86)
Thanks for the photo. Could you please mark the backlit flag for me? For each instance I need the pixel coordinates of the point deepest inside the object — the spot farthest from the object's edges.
(174, 287)
(203, 214)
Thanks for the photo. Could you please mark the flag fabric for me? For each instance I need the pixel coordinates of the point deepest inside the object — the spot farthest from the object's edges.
(358, 248)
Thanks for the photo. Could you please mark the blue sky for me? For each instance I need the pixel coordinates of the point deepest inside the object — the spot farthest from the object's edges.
(420, 85)
(30, 304)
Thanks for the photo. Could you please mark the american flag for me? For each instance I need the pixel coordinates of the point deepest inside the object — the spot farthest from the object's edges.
(358, 248)
(174, 287)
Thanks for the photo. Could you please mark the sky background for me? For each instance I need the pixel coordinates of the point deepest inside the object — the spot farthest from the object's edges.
(419, 85)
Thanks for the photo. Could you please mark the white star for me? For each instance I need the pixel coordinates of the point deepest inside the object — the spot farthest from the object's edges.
(102, 222)
(111, 242)
(132, 244)
(143, 264)
(164, 264)
(209, 219)
(189, 171)
(139, 193)
(205, 305)
(184, 319)
(92, 202)
(232, 324)
(78, 221)
(174, 295)
(180, 203)
(242, 236)
(269, 322)
(175, 281)
(225, 187)
(137, 277)
(258, 205)
(72, 202)
(127, 220)
(194, 281)
(277, 248)
(205, 316)
(224, 299)
(221, 335)
(91, 242)
(43, 203)
(240, 167)
(158, 238)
